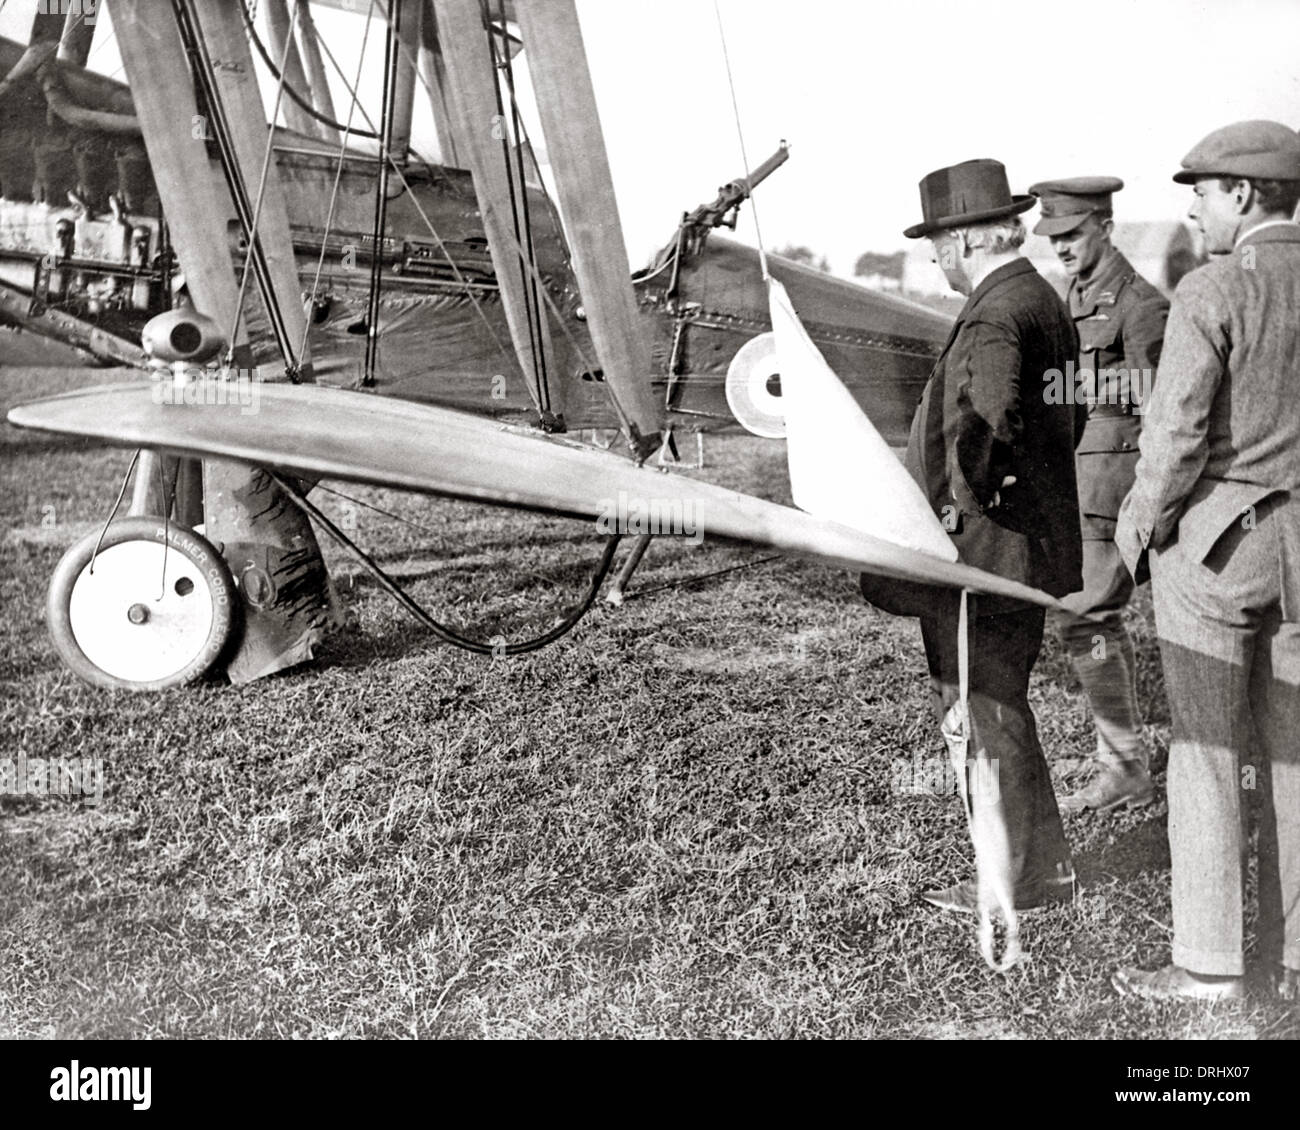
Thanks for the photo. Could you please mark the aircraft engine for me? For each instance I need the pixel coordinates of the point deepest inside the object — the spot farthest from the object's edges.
(182, 335)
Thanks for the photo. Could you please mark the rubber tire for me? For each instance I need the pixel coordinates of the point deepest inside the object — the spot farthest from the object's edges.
(180, 539)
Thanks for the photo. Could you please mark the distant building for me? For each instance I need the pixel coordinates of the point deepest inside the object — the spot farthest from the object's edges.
(1162, 252)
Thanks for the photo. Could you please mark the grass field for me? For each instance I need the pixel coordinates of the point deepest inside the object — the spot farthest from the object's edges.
(693, 817)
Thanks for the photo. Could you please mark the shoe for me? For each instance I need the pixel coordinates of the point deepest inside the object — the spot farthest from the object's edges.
(1111, 788)
(964, 897)
(1175, 983)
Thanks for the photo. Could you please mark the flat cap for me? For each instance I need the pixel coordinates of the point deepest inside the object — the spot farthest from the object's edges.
(1257, 148)
(1065, 204)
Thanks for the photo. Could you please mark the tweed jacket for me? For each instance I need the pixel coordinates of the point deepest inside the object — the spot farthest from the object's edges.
(985, 415)
(1120, 318)
(1222, 429)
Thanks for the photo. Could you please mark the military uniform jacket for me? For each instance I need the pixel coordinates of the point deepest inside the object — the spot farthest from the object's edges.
(1222, 433)
(984, 416)
(1120, 318)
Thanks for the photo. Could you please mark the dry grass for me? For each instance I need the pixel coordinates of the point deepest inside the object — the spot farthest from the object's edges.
(682, 820)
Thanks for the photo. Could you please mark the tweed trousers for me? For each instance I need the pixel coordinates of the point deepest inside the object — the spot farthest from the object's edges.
(1232, 672)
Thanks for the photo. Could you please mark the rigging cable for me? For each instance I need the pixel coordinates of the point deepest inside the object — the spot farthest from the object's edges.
(497, 647)
(276, 73)
(334, 192)
(506, 354)
(740, 133)
(261, 195)
(381, 193)
(520, 142)
(527, 256)
(113, 513)
(539, 281)
(696, 578)
(186, 14)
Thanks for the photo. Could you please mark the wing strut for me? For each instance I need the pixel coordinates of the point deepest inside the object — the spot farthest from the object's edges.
(566, 104)
(265, 271)
(479, 129)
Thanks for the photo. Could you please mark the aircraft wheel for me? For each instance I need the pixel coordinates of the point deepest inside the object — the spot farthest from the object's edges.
(143, 619)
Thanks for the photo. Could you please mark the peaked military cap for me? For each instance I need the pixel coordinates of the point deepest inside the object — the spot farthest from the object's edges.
(973, 192)
(1065, 204)
(1258, 148)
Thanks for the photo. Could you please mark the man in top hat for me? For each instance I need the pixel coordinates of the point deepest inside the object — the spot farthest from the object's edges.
(1217, 506)
(996, 461)
(1120, 318)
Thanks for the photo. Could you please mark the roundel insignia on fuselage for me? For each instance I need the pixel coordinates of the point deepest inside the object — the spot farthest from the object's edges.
(754, 388)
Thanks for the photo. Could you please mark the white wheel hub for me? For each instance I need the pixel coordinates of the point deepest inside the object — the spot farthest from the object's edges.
(139, 617)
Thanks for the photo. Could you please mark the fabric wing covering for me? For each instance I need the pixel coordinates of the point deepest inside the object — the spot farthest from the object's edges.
(841, 468)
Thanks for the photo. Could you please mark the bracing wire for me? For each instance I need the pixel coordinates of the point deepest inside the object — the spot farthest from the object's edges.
(303, 103)
(415, 203)
(267, 156)
(538, 281)
(528, 257)
(135, 458)
(740, 133)
(539, 284)
(391, 39)
(167, 521)
(334, 192)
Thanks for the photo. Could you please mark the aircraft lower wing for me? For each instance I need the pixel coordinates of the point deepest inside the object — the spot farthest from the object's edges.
(332, 433)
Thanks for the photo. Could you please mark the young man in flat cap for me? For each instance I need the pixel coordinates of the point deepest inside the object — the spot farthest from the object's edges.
(996, 462)
(1217, 507)
(1120, 318)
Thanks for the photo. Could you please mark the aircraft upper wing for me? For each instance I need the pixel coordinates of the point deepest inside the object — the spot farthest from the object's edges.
(333, 433)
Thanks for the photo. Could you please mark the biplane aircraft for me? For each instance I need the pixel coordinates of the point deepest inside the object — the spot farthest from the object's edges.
(217, 562)
(242, 411)
(86, 256)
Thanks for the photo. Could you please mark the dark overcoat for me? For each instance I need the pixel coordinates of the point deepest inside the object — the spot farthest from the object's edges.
(993, 409)
(989, 412)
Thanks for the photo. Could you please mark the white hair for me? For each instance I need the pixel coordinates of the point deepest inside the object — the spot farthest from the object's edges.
(997, 236)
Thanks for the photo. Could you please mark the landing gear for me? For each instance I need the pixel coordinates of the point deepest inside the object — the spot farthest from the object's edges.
(155, 608)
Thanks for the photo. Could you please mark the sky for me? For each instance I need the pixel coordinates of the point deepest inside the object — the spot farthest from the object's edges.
(874, 94)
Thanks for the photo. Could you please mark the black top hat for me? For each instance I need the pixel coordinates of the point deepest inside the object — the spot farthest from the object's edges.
(970, 193)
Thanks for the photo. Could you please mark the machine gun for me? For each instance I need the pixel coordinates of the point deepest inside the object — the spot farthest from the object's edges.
(720, 212)
(723, 211)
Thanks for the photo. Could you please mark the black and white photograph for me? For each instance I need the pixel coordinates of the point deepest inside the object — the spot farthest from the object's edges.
(585, 520)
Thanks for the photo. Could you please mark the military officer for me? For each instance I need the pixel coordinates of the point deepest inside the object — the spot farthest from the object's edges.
(1120, 318)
